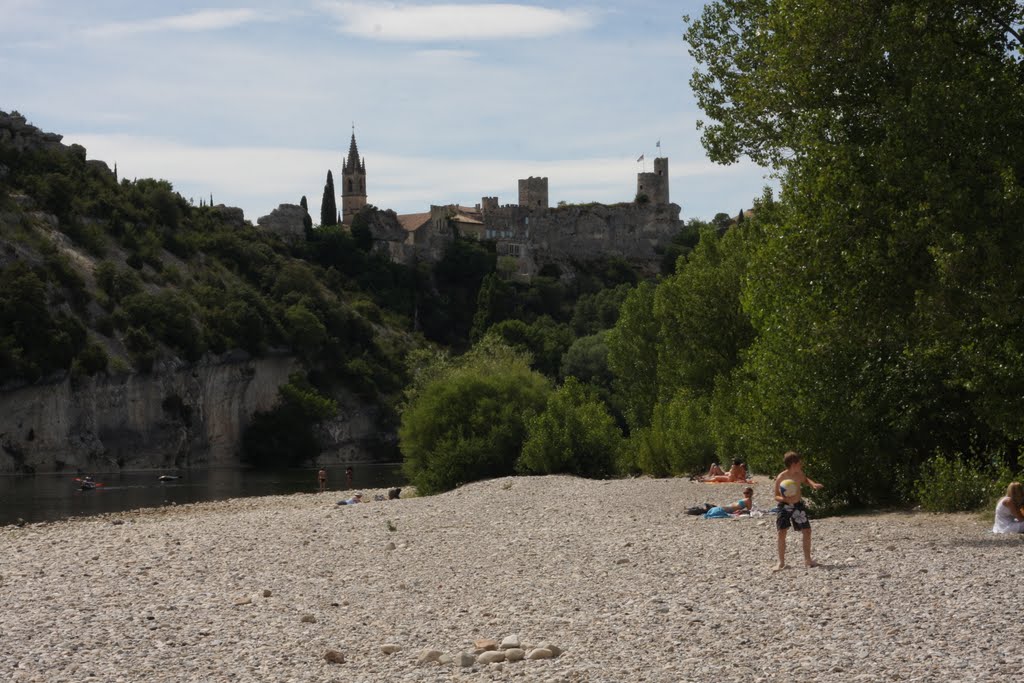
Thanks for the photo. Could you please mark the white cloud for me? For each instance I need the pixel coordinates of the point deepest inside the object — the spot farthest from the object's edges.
(203, 20)
(453, 22)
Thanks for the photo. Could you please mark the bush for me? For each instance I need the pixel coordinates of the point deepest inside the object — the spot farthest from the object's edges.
(574, 435)
(466, 419)
(284, 435)
(678, 440)
(954, 485)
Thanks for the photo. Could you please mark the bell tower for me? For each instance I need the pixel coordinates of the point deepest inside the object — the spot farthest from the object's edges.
(353, 183)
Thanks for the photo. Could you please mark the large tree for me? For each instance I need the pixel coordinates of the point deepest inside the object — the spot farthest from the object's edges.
(328, 206)
(887, 297)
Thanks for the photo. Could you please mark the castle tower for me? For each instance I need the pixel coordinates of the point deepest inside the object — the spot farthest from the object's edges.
(654, 185)
(533, 192)
(353, 183)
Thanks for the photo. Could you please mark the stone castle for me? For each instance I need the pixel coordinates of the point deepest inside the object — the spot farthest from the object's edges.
(528, 235)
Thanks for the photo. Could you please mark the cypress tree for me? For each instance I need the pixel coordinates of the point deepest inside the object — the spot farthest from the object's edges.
(739, 219)
(307, 220)
(328, 207)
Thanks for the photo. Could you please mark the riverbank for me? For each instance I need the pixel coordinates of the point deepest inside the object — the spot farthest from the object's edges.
(613, 573)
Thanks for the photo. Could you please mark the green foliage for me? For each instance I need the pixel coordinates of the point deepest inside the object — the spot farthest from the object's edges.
(598, 311)
(465, 420)
(633, 355)
(329, 205)
(955, 485)
(678, 440)
(447, 315)
(587, 360)
(544, 339)
(284, 435)
(682, 244)
(33, 341)
(573, 435)
(882, 295)
(362, 236)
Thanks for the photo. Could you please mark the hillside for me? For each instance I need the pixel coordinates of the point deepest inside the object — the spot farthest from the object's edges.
(117, 281)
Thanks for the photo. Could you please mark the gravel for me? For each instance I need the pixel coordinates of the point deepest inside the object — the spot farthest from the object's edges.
(590, 580)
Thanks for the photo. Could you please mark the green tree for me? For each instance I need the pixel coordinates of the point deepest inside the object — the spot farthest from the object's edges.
(328, 205)
(285, 435)
(307, 220)
(704, 328)
(466, 419)
(573, 435)
(881, 297)
(633, 355)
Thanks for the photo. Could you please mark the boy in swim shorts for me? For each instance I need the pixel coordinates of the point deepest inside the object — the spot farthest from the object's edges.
(791, 510)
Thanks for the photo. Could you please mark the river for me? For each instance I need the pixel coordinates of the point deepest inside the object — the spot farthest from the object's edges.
(48, 497)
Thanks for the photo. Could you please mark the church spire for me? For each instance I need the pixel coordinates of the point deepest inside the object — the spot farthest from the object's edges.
(352, 163)
(353, 182)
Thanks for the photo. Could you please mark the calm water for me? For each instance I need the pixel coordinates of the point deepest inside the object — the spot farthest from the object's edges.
(47, 497)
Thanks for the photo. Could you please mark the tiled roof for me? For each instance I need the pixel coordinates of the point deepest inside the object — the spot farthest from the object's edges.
(414, 221)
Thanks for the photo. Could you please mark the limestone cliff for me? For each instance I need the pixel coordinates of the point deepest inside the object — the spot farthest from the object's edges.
(185, 416)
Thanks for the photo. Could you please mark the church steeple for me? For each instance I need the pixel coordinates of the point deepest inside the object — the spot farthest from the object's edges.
(353, 182)
(352, 163)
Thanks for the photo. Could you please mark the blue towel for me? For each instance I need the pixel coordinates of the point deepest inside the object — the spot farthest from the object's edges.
(717, 513)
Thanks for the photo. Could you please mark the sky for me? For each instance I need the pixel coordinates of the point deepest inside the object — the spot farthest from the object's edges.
(253, 102)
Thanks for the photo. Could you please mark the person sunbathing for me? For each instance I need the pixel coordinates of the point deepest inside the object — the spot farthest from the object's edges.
(736, 473)
(744, 504)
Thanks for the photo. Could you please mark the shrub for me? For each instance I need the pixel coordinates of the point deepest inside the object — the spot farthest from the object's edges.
(467, 420)
(955, 485)
(574, 435)
(284, 435)
(678, 440)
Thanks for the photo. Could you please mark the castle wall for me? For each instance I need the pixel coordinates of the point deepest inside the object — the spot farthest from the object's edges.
(533, 192)
(654, 184)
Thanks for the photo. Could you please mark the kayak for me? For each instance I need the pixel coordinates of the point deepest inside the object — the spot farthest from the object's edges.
(168, 477)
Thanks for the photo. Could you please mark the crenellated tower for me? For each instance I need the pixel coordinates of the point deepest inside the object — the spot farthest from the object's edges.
(654, 185)
(353, 183)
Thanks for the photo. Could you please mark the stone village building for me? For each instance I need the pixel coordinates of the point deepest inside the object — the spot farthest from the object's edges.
(528, 235)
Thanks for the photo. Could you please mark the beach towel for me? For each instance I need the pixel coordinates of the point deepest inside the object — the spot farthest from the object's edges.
(717, 513)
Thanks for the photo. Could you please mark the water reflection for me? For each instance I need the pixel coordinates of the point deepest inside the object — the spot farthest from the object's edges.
(45, 497)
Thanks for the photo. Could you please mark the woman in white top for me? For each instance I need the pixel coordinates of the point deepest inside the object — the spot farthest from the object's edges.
(1010, 511)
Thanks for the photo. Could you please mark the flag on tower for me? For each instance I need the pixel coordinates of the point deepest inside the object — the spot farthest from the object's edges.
(640, 158)
(658, 144)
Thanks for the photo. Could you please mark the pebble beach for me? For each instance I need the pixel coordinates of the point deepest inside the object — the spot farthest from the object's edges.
(551, 579)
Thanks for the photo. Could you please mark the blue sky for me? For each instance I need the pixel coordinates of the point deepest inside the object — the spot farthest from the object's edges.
(254, 101)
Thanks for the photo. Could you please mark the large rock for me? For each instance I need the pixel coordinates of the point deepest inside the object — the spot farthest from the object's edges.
(287, 220)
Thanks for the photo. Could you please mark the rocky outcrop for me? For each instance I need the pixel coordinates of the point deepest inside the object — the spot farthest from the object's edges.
(287, 220)
(20, 135)
(177, 417)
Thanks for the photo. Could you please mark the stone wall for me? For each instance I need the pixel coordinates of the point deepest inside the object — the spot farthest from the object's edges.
(654, 185)
(562, 236)
(533, 192)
